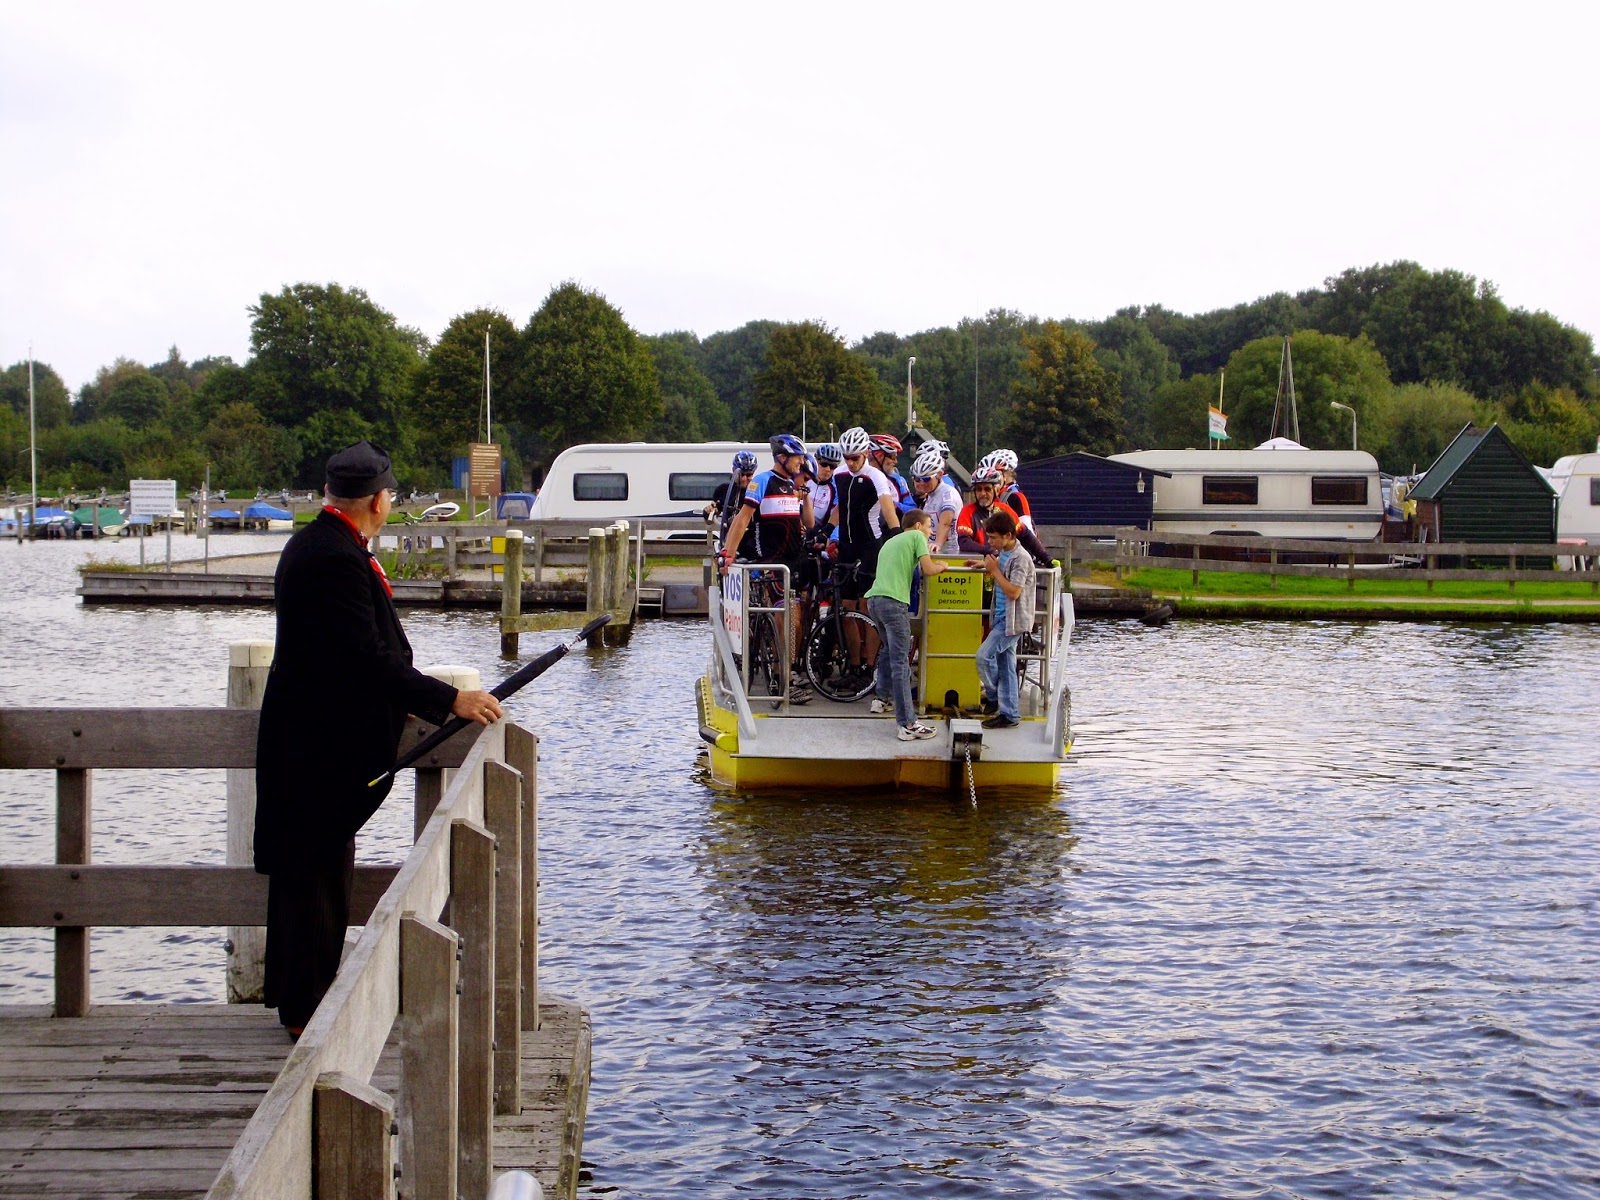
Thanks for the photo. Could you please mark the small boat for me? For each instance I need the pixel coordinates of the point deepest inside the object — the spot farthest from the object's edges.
(757, 739)
(99, 520)
(266, 516)
(443, 511)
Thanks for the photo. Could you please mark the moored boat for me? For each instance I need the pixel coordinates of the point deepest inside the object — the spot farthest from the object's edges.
(756, 738)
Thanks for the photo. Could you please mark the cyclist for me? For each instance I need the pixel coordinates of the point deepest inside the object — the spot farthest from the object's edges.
(778, 516)
(828, 456)
(937, 497)
(885, 451)
(865, 514)
(889, 606)
(1010, 494)
(986, 484)
(727, 496)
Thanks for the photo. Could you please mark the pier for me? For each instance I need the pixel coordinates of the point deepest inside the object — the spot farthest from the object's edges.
(433, 1063)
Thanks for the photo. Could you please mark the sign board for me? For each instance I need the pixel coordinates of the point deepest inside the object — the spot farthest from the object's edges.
(483, 469)
(152, 497)
(732, 604)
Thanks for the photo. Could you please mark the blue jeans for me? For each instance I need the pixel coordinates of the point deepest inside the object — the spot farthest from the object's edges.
(997, 669)
(893, 678)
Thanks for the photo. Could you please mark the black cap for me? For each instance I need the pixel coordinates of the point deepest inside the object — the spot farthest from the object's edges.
(359, 470)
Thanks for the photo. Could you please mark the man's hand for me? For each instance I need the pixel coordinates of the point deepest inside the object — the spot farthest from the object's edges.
(476, 706)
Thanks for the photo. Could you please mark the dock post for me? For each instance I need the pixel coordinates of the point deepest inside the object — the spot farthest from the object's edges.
(502, 816)
(75, 845)
(248, 664)
(431, 780)
(429, 1056)
(472, 897)
(354, 1156)
(595, 584)
(511, 594)
(522, 753)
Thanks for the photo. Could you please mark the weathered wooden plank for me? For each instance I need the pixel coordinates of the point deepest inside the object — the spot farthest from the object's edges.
(114, 895)
(472, 888)
(355, 1157)
(502, 814)
(429, 1047)
(522, 755)
(74, 844)
(45, 739)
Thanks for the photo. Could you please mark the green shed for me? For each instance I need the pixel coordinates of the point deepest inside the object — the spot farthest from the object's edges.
(1483, 489)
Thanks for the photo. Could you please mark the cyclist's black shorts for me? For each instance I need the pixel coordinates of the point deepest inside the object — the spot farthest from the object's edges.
(867, 570)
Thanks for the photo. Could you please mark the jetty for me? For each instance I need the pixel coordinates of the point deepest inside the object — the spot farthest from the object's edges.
(434, 1062)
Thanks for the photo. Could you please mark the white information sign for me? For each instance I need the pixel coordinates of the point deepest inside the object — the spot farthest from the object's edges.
(152, 497)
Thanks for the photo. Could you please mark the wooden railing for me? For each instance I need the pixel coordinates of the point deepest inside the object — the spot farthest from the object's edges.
(1349, 561)
(453, 546)
(448, 948)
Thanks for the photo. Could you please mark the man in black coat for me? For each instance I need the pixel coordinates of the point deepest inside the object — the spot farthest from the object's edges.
(335, 705)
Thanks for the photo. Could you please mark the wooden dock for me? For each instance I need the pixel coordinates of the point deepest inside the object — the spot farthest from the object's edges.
(432, 1063)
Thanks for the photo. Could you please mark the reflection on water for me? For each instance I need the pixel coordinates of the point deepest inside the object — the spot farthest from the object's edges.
(1314, 913)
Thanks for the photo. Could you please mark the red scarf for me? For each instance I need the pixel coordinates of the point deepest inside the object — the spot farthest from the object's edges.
(371, 558)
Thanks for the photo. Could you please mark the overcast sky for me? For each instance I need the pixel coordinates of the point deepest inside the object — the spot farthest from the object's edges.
(874, 166)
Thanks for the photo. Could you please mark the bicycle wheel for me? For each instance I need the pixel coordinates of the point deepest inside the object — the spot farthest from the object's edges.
(766, 669)
(827, 658)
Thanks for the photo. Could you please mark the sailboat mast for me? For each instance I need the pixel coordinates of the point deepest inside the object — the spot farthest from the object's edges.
(1294, 413)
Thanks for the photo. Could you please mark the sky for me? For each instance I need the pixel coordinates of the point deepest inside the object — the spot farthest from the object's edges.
(874, 166)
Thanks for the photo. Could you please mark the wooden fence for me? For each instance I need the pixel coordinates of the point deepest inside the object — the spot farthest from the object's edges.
(1351, 561)
(449, 948)
(451, 547)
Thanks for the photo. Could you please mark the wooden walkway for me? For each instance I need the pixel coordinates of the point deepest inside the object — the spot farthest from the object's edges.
(145, 1101)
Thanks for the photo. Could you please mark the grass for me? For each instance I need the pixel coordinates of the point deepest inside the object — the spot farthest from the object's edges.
(1386, 585)
(105, 564)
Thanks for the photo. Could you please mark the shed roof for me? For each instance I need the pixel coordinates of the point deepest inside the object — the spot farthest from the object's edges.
(1461, 450)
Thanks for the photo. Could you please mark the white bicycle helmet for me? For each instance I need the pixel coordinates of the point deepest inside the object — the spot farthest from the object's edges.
(929, 463)
(989, 475)
(855, 441)
(1006, 460)
(988, 460)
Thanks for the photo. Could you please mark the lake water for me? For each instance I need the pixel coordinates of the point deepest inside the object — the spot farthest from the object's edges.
(1312, 914)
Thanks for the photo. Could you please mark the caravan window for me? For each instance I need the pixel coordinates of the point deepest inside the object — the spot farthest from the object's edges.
(1228, 489)
(600, 485)
(1594, 490)
(1338, 489)
(694, 485)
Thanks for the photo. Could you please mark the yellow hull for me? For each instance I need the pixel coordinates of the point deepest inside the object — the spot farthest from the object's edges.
(755, 772)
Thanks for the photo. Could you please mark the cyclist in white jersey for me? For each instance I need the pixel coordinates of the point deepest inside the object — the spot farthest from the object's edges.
(937, 497)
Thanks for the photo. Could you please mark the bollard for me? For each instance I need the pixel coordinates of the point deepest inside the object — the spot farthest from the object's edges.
(595, 584)
(511, 594)
(248, 663)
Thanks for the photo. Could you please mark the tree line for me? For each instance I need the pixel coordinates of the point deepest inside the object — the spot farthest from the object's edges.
(1416, 354)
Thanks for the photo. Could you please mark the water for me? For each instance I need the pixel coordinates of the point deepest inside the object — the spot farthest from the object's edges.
(1314, 913)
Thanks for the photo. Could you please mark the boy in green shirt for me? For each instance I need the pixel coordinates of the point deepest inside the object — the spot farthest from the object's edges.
(889, 606)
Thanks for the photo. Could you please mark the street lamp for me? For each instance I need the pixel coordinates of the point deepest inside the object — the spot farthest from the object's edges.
(1352, 413)
(911, 416)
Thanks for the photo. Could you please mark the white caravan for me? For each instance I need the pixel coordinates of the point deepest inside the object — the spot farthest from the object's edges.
(1576, 479)
(600, 482)
(1286, 493)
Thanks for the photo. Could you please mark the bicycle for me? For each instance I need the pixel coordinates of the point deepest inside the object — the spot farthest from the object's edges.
(828, 643)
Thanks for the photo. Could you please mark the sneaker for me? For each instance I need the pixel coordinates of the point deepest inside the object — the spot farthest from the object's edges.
(878, 707)
(800, 693)
(1000, 721)
(989, 707)
(916, 731)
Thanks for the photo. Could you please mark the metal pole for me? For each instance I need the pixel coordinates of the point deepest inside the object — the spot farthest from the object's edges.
(488, 392)
(974, 395)
(205, 523)
(33, 460)
(911, 416)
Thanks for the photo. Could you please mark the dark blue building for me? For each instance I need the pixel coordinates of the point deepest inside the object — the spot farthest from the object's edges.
(1084, 489)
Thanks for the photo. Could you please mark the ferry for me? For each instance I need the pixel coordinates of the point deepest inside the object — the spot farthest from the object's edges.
(757, 739)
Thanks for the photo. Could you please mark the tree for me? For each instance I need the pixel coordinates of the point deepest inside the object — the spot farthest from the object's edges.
(325, 349)
(93, 394)
(52, 403)
(138, 399)
(808, 367)
(1141, 363)
(1065, 400)
(1176, 416)
(1546, 423)
(448, 410)
(692, 410)
(1327, 368)
(586, 376)
(246, 452)
(1421, 419)
(731, 360)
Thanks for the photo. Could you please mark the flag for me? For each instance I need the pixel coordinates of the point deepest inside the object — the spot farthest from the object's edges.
(1218, 424)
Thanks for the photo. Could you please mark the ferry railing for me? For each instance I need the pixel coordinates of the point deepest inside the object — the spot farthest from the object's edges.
(725, 667)
(746, 579)
(462, 994)
(1054, 617)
